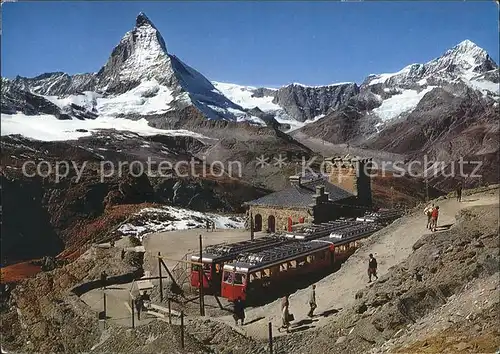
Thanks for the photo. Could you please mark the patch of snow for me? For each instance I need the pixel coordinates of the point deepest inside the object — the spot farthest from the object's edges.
(49, 128)
(168, 218)
(252, 119)
(405, 102)
(243, 96)
(147, 98)
(382, 78)
(87, 100)
(484, 85)
(295, 124)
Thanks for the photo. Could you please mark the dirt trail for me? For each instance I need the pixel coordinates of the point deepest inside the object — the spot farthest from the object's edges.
(390, 246)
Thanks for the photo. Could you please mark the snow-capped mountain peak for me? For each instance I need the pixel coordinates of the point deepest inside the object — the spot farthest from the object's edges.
(468, 46)
(143, 20)
(464, 61)
(141, 55)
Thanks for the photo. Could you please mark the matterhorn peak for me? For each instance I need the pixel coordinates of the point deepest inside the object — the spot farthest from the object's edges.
(142, 20)
(140, 55)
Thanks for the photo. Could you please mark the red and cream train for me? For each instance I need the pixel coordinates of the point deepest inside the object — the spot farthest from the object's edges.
(254, 268)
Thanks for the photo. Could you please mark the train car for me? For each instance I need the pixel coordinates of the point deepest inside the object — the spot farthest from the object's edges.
(215, 256)
(255, 275)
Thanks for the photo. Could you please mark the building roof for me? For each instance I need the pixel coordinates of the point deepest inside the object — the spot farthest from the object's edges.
(301, 196)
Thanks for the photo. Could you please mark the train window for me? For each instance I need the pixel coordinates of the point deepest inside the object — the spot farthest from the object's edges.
(195, 267)
(217, 268)
(239, 279)
(206, 267)
(228, 277)
(266, 272)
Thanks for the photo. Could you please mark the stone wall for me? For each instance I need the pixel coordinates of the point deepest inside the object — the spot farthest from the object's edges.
(344, 178)
(280, 215)
(352, 174)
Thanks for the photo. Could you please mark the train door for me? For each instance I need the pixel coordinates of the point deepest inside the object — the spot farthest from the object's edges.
(217, 277)
(332, 255)
(233, 285)
(195, 275)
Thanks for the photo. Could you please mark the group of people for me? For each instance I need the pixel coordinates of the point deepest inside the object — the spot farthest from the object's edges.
(286, 316)
(210, 225)
(432, 213)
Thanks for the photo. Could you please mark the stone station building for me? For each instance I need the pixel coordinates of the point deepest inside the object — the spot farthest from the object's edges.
(345, 193)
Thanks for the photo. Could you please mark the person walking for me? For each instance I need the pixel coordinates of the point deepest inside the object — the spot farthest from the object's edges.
(372, 268)
(146, 301)
(239, 311)
(285, 313)
(435, 215)
(459, 191)
(138, 306)
(312, 301)
(104, 278)
(428, 212)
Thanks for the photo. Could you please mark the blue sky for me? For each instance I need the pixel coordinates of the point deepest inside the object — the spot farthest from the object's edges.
(251, 43)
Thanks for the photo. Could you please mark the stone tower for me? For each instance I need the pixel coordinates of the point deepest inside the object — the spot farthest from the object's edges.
(353, 175)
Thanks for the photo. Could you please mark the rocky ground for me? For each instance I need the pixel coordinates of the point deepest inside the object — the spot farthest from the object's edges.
(44, 314)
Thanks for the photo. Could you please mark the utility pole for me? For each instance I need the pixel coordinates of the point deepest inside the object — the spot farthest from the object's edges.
(104, 302)
(159, 273)
(270, 334)
(182, 329)
(202, 299)
(251, 227)
(132, 306)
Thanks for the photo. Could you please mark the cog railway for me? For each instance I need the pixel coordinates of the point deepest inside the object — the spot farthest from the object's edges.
(258, 268)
